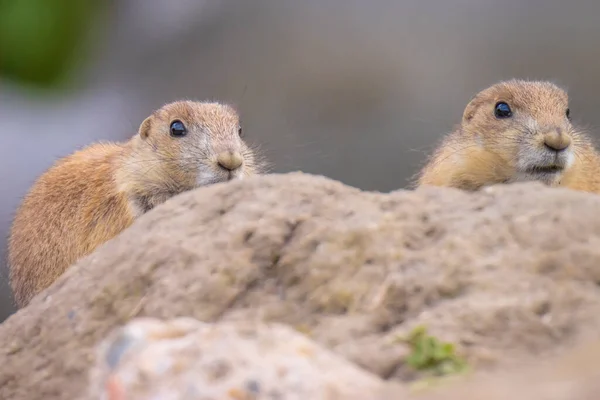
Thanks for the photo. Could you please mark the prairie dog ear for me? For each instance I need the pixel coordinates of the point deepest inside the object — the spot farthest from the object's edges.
(471, 108)
(144, 130)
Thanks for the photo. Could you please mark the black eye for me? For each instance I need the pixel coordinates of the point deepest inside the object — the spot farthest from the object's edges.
(568, 113)
(178, 129)
(502, 110)
(240, 131)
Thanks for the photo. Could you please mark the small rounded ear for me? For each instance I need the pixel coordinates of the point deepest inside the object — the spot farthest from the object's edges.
(471, 108)
(144, 130)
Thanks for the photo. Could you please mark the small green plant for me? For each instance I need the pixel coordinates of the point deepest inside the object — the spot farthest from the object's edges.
(432, 356)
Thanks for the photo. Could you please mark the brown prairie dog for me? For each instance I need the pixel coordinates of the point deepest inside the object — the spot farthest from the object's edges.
(92, 195)
(515, 131)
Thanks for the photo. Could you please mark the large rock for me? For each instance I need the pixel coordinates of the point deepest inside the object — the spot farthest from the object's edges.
(509, 274)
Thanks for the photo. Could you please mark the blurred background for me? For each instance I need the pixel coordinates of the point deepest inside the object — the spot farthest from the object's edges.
(356, 90)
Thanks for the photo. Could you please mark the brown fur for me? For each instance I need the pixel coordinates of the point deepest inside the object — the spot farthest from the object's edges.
(485, 150)
(92, 195)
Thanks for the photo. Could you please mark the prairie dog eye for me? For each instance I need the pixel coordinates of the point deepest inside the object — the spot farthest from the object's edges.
(240, 132)
(568, 114)
(178, 129)
(502, 110)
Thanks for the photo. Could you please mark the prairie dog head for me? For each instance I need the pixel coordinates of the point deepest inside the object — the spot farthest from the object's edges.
(184, 145)
(526, 125)
(202, 141)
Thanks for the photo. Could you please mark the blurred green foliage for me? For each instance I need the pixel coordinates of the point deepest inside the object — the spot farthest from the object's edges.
(436, 361)
(432, 355)
(40, 40)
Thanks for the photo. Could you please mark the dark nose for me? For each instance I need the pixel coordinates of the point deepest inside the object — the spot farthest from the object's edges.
(556, 141)
(230, 160)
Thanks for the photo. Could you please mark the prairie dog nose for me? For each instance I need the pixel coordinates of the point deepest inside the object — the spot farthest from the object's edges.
(556, 141)
(230, 160)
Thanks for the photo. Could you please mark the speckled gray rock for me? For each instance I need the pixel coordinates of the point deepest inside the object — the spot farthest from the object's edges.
(184, 359)
(509, 273)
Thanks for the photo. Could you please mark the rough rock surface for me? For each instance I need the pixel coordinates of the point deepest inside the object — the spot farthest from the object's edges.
(187, 359)
(509, 274)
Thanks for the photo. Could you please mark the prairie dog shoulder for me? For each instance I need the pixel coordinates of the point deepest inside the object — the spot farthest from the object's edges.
(515, 131)
(90, 196)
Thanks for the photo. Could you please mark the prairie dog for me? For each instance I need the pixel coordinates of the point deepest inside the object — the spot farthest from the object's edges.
(92, 195)
(515, 131)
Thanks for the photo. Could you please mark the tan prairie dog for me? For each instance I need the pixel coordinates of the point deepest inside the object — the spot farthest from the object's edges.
(515, 131)
(92, 195)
